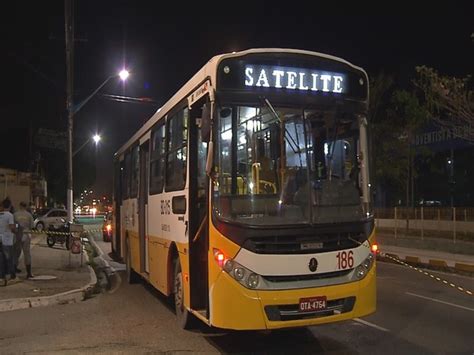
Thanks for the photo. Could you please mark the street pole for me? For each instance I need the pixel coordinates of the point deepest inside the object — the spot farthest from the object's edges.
(69, 35)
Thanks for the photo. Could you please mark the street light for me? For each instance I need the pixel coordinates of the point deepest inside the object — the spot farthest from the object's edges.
(96, 138)
(124, 74)
(72, 110)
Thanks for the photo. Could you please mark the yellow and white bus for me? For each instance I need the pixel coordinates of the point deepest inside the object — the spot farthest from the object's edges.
(246, 197)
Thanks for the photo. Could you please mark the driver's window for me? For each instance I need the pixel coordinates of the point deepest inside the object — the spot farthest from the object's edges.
(334, 154)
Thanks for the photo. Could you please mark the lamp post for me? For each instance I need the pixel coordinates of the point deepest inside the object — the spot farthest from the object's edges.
(96, 138)
(73, 110)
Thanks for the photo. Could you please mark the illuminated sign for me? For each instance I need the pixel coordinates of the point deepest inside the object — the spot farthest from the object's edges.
(302, 79)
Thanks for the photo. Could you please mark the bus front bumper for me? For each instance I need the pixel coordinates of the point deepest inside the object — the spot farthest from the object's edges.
(236, 307)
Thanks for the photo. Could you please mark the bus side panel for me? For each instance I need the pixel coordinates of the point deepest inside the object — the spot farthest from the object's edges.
(135, 250)
(157, 245)
(158, 255)
(130, 226)
(184, 261)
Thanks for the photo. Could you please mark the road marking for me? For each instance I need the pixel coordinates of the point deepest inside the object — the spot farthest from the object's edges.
(439, 301)
(361, 321)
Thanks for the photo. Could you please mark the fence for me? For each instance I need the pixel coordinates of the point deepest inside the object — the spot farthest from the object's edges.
(453, 223)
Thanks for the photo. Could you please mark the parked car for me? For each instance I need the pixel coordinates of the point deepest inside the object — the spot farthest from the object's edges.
(50, 217)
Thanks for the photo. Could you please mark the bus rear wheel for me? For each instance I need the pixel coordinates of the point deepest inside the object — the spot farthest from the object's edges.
(182, 314)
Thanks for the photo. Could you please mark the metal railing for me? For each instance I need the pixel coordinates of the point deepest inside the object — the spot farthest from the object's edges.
(438, 222)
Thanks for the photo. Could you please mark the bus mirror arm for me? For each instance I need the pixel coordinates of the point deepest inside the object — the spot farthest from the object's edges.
(206, 120)
(206, 134)
(209, 160)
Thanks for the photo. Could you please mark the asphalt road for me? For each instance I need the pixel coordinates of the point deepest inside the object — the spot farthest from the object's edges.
(416, 315)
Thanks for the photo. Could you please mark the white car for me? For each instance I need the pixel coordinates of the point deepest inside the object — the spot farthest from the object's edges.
(50, 217)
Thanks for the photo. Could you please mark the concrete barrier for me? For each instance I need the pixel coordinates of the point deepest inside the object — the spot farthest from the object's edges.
(412, 259)
(464, 267)
(438, 263)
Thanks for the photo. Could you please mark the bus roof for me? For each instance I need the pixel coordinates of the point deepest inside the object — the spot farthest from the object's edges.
(209, 71)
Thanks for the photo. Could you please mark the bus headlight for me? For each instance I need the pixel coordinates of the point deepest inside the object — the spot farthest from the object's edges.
(240, 273)
(252, 280)
(364, 267)
(228, 266)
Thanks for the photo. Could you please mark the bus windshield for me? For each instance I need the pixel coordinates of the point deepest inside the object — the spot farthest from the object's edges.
(283, 166)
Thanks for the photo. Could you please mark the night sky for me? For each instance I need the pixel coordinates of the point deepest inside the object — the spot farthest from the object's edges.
(164, 47)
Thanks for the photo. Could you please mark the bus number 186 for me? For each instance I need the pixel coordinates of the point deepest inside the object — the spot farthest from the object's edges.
(345, 260)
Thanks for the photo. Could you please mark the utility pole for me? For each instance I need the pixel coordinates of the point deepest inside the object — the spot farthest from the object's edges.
(451, 180)
(69, 36)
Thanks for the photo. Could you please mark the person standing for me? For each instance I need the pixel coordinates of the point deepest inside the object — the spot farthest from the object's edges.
(24, 219)
(7, 228)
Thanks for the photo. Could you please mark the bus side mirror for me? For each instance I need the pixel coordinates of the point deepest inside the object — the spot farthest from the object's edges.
(206, 122)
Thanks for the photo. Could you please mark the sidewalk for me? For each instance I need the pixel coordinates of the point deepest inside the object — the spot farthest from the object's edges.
(68, 280)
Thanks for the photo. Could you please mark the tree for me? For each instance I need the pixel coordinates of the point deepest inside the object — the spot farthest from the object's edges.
(395, 116)
(449, 100)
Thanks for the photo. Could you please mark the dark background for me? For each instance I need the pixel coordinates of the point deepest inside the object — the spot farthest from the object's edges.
(164, 44)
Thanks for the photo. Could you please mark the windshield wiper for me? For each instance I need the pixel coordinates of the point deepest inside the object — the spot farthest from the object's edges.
(332, 147)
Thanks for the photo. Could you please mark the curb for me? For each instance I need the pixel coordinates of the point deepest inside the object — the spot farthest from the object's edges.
(72, 296)
(436, 264)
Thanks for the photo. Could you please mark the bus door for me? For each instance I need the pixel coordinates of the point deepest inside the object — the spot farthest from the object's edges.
(198, 207)
(143, 206)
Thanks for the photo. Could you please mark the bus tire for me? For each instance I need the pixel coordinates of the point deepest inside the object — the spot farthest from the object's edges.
(132, 276)
(183, 316)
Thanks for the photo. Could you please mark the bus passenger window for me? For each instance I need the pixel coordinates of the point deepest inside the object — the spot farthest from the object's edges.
(157, 160)
(176, 155)
(135, 167)
(126, 177)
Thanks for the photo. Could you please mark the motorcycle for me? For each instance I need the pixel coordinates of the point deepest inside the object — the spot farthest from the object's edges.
(63, 237)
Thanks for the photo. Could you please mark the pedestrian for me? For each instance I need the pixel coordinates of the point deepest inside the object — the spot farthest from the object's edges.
(24, 219)
(7, 228)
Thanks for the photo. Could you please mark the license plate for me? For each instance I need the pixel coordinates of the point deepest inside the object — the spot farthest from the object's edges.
(312, 304)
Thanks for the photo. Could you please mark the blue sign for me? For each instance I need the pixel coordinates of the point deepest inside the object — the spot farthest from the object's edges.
(444, 138)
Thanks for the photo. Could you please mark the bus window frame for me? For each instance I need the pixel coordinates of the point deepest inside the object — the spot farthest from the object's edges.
(134, 180)
(126, 172)
(154, 190)
(174, 113)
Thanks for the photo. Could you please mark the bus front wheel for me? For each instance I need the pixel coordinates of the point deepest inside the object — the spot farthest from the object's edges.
(182, 314)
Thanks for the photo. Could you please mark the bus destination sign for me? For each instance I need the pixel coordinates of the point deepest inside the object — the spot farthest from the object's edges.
(302, 79)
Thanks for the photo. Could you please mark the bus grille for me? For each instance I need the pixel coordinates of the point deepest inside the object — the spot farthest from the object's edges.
(304, 244)
(290, 278)
(290, 312)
